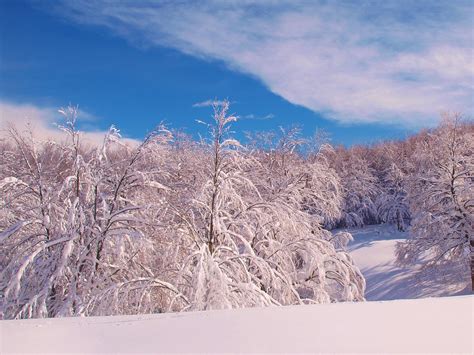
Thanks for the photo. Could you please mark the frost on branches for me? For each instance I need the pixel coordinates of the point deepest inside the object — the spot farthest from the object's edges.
(441, 195)
(166, 225)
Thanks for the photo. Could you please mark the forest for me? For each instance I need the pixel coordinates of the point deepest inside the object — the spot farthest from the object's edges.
(176, 224)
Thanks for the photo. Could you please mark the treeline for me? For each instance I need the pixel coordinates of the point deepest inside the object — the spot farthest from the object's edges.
(174, 224)
(423, 184)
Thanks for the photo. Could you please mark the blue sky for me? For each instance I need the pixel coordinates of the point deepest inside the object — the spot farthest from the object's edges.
(363, 71)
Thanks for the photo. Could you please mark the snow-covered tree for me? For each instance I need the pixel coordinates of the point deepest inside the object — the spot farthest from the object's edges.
(360, 188)
(306, 195)
(73, 240)
(250, 241)
(441, 195)
(392, 202)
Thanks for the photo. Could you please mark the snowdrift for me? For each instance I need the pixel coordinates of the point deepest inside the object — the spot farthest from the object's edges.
(431, 325)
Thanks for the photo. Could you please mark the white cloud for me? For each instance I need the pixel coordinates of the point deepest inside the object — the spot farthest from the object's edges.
(41, 121)
(208, 103)
(393, 61)
(257, 117)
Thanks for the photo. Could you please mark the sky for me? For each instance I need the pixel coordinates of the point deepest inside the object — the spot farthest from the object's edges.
(363, 71)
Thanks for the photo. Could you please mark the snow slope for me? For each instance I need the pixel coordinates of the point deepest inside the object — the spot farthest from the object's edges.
(425, 325)
(373, 250)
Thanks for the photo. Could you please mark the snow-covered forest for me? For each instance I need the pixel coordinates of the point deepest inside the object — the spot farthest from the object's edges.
(174, 224)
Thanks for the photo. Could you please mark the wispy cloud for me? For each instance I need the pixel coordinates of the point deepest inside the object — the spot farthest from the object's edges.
(208, 103)
(41, 121)
(257, 117)
(365, 61)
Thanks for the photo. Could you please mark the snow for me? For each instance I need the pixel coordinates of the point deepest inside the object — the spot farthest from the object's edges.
(426, 325)
(373, 251)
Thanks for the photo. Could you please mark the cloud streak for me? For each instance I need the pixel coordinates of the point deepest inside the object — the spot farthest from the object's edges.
(208, 103)
(395, 61)
(41, 121)
(251, 116)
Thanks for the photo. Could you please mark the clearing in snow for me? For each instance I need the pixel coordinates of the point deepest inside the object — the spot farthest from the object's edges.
(373, 251)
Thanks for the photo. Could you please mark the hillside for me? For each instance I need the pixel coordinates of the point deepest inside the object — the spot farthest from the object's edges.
(425, 325)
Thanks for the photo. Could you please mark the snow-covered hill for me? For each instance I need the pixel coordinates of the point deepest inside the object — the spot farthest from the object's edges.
(426, 325)
(373, 250)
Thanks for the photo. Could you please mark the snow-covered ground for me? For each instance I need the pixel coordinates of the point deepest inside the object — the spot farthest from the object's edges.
(373, 250)
(430, 325)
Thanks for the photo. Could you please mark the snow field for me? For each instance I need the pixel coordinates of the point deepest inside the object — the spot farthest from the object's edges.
(441, 325)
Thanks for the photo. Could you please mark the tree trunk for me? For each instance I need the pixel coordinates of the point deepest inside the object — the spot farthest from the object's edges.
(51, 299)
